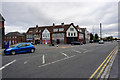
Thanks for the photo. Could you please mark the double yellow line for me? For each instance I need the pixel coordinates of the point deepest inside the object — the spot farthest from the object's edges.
(103, 64)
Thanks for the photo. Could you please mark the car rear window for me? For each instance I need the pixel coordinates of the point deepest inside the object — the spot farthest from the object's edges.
(27, 44)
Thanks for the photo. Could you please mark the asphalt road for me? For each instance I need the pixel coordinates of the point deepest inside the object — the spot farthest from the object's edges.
(76, 61)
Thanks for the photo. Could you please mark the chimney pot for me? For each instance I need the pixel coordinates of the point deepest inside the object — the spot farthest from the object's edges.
(77, 26)
(53, 24)
(72, 23)
(62, 24)
(36, 25)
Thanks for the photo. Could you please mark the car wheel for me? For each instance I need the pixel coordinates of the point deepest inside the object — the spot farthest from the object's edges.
(13, 52)
(32, 50)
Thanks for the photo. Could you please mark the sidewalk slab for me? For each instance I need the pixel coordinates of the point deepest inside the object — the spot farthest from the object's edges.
(114, 69)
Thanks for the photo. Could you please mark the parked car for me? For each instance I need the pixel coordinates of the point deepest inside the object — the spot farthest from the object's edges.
(91, 41)
(118, 40)
(101, 42)
(20, 48)
(76, 43)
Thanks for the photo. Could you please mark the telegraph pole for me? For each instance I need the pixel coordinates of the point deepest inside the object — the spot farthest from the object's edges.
(93, 30)
(100, 31)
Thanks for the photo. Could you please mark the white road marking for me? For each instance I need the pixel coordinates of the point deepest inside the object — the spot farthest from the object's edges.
(65, 54)
(76, 51)
(56, 61)
(43, 59)
(85, 51)
(7, 64)
(25, 62)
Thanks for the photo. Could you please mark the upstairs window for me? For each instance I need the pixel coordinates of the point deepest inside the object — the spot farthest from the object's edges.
(80, 30)
(37, 30)
(30, 31)
(71, 29)
(29, 36)
(48, 35)
(68, 33)
(74, 34)
(61, 29)
(55, 30)
(71, 34)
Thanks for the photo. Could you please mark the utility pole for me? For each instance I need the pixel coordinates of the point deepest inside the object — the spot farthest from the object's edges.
(100, 31)
(93, 30)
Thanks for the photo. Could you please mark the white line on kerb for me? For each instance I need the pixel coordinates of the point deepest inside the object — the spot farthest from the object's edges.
(65, 54)
(43, 59)
(7, 64)
(56, 61)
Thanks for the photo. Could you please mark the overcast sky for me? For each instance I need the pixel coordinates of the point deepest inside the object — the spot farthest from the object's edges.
(20, 16)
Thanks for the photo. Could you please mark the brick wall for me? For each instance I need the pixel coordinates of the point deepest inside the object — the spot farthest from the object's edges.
(0, 37)
(2, 34)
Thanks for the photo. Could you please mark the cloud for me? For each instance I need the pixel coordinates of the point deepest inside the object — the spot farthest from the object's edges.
(84, 14)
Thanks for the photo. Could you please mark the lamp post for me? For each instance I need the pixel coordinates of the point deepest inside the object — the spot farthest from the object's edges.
(100, 31)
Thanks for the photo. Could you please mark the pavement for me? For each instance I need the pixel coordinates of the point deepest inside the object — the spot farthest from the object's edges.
(65, 61)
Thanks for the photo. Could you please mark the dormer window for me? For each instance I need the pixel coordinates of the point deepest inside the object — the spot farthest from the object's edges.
(55, 30)
(61, 29)
(80, 30)
(30, 31)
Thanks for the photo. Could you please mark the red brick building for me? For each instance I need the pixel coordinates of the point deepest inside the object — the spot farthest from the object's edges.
(14, 37)
(64, 33)
(2, 31)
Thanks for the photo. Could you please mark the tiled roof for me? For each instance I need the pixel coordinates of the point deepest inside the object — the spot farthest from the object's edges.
(14, 34)
(50, 28)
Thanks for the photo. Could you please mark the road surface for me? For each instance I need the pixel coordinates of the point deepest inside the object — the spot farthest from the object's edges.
(72, 61)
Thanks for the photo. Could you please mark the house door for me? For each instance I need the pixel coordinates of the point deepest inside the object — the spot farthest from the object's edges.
(58, 41)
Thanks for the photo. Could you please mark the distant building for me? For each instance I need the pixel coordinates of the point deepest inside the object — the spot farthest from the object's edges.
(2, 31)
(86, 35)
(61, 34)
(14, 38)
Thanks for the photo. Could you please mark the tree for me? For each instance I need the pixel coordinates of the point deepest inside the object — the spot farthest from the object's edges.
(96, 36)
(111, 37)
(115, 38)
(23, 33)
(91, 36)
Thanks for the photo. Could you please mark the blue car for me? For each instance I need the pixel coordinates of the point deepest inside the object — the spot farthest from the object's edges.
(20, 48)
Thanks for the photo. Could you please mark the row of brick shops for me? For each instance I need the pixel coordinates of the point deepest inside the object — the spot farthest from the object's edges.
(61, 34)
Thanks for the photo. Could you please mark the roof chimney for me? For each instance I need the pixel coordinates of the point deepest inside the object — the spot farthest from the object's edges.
(77, 26)
(62, 24)
(53, 24)
(72, 23)
(36, 25)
